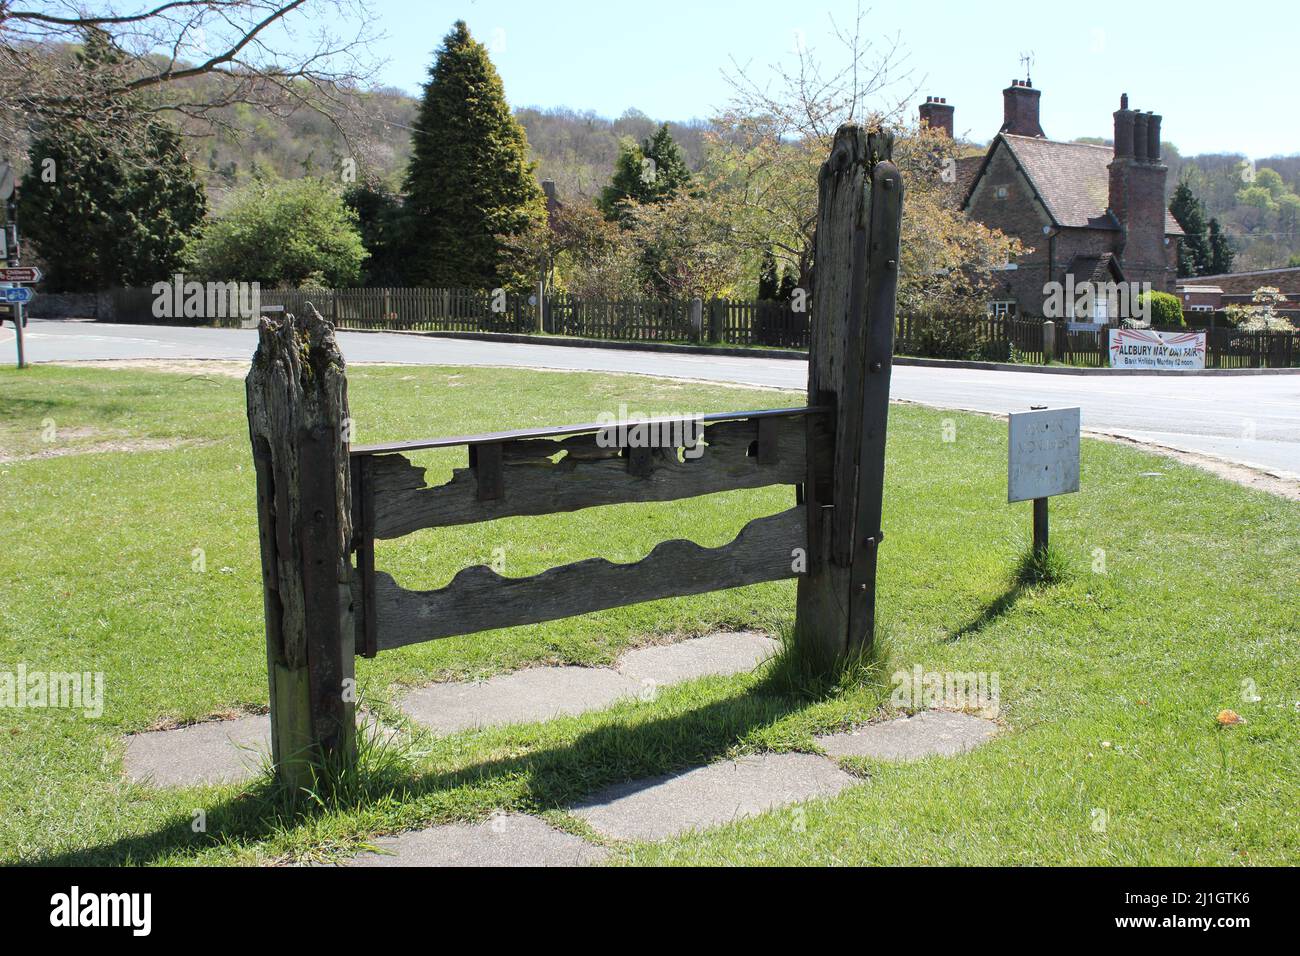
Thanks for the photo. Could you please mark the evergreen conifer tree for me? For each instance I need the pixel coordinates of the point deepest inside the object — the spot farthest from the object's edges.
(469, 185)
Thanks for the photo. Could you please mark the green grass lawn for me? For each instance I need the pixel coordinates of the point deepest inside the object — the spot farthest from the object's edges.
(1181, 598)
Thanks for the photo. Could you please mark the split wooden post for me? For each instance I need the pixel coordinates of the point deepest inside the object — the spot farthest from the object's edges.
(298, 424)
(851, 342)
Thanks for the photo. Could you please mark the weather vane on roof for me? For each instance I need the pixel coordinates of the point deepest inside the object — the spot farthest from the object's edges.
(1028, 60)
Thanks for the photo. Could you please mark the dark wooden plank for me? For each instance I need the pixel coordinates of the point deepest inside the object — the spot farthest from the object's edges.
(479, 599)
(882, 285)
(363, 585)
(587, 475)
(640, 462)
(489, 471)
(845, 368)
(557, 431)
(769, 447)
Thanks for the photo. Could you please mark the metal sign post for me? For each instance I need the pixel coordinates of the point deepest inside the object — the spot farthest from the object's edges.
(9, 195)
(1042, 460)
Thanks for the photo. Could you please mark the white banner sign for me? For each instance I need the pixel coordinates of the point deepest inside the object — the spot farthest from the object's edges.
(1042, 453)
(1142, 348)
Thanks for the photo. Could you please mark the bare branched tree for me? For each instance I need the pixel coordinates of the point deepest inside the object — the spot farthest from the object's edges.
(779, 124)
(192, 58)
(871, 84)
(769, 144)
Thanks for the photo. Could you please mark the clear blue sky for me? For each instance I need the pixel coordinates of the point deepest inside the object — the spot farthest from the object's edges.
(1189, 61)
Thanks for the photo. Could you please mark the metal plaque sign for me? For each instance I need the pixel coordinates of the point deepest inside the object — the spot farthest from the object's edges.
(1043, 453)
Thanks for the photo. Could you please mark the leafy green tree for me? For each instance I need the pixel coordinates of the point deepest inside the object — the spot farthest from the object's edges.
(378, 212)
(1221, 254)
(297, 233)
(1194, 249)
(768, 284)
(649, 173)
(469, 185)
(789, 282)
(103, 210)
(1288, 213)
(1270, 180)
(1164, 308)
(1257, 197)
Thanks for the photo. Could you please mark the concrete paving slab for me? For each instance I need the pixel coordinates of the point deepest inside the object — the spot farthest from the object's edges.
(720, 653)
(929, 733)
(510, 839)
(540, 693)
(526, 696)
(661, 807)
(215, 751)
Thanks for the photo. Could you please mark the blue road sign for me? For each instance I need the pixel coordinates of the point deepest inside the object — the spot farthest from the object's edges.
(19, 294)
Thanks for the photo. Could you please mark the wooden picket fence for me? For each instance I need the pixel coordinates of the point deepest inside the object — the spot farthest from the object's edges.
(1224, 348)
(721, 321)
(322, 503)
(632, 320)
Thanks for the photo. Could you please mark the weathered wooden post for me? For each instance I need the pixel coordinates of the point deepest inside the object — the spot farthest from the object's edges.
(851, 343)
(717, 320)
(696, 312)
(298, 424)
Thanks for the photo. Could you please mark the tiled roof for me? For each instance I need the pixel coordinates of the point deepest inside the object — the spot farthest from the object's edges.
(967, 169)
(1072, 179)
(1095, 269)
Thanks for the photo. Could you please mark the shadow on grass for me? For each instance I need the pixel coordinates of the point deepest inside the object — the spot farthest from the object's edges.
(995, 609)
(552, 778)
(1034, 569)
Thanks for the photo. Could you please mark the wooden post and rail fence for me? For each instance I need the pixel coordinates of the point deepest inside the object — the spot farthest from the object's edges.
(322, 503)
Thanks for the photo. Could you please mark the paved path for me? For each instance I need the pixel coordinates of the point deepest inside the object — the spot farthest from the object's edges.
(1252, 420)
(229, 751)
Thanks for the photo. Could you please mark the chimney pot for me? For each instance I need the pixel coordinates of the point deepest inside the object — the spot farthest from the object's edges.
(1123, 129)
(1140, 135)
(1153, 138)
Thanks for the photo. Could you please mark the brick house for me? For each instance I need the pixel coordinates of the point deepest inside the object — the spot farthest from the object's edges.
(1216, 292)
(1093, 213)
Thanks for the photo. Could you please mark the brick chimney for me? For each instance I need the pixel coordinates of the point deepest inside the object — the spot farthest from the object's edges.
(937, 114)
(1020, 109)
(1137, 197)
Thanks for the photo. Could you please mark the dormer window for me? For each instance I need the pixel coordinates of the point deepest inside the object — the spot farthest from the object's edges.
(1001, 192)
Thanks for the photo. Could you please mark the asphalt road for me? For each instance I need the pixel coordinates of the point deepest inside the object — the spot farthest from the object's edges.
(1250, 419)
